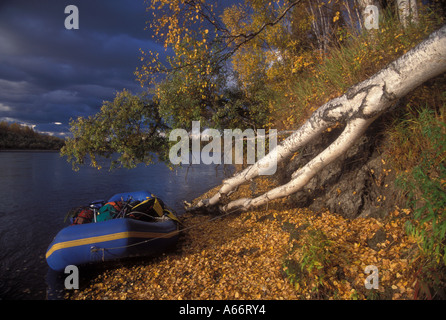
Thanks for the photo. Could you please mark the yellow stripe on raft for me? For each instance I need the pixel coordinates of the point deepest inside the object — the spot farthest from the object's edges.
(108, 237)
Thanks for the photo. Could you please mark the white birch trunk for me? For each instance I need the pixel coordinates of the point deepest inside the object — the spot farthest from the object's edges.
(367, 15)
(407, 11)
(357, 108)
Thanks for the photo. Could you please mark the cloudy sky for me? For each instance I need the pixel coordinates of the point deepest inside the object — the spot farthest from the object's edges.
(49, 74)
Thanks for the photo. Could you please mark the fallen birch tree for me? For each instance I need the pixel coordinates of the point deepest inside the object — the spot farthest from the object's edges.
(356, 109)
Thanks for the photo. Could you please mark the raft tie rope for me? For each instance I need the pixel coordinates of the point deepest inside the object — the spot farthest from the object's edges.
(95, 249)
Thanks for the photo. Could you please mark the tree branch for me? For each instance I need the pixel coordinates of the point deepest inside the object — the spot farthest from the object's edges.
(357, 108)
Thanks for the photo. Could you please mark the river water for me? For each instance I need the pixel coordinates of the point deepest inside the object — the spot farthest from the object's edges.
(37, 189)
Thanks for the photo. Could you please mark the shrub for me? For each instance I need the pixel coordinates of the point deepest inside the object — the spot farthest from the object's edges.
(425, 185)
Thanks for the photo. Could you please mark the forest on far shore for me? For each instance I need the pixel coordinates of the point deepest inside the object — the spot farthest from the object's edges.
(16, 136)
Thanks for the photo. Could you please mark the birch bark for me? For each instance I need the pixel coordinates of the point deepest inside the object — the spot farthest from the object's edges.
(407, 11)
(357, 109)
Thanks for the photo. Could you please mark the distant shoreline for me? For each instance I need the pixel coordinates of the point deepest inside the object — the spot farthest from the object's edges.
(27, 150)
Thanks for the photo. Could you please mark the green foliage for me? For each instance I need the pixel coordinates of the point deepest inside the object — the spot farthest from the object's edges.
(15, 136)
(255, 64)
(318, 78)
(180, 105)
(130, 125)
(316, 257)
(293, 272)
(315, 251)
(423, 132)
(425, 185)
(314, 262)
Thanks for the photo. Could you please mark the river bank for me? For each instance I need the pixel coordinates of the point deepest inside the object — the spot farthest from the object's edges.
(39, 188)
(266, 254)
(30, 150)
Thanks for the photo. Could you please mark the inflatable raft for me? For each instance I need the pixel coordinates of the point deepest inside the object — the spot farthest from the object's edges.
(135, 231)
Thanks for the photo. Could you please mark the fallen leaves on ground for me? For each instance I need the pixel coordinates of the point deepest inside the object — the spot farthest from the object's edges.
(241, 256)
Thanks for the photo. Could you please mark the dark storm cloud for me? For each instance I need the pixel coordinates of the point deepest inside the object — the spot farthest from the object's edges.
(49, 74)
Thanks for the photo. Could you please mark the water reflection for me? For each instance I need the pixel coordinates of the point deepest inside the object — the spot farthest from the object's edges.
(38, 189)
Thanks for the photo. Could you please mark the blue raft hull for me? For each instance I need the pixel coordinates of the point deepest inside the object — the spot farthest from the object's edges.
(110, 240)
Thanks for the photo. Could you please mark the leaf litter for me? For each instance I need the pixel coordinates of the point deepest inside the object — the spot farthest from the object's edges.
(266, 254)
